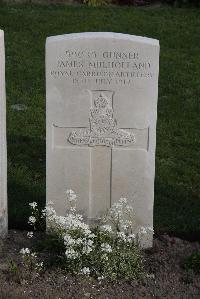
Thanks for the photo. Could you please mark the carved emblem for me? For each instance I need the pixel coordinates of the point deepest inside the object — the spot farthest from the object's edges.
(102, 129)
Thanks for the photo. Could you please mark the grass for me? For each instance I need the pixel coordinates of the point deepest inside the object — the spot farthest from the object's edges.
(192, 262)
(177, 202)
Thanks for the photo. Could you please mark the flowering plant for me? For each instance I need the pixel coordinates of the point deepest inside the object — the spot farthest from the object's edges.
(32, 267)
(96, 2)
(109, 250)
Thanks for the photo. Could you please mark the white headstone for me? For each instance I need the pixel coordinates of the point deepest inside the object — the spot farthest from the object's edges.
(3, 154)
(101, 91)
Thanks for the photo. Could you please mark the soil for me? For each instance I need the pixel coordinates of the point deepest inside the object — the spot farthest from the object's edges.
(167, 279)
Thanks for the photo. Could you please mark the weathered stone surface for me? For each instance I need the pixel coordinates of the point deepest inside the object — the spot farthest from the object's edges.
(3, 155)
(101, 121)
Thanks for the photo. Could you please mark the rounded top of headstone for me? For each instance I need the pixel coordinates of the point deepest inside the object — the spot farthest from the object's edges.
(110, 35)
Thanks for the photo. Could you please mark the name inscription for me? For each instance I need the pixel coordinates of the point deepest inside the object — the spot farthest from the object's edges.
(102, 68)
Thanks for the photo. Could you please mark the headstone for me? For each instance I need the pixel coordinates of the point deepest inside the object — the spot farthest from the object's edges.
(101, 91)
(3, 154)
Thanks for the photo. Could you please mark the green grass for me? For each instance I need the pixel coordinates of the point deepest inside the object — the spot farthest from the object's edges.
(192, 262)
(177, 202)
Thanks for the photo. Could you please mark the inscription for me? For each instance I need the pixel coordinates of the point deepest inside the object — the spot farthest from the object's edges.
(103, 128)
(101, 68)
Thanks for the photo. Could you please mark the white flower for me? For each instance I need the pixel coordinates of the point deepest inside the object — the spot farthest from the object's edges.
(71, 254)
(79, 217)
(106, 247)
(33, 205)
(150, 229)
(124, 227)
(79, 241)
(50, 203)
(71, 195)
(125, 224)
(122, 236)
(131, 238)
(39, 265)
(31, 220)
(104, 257)
(33, 255)
(72, 209)
(68, 240)
(30, 235)
(106, 228)
(129, 209)
(86, 249)
(87, 231)
(85, 271)
(25, 251)
(49, 212)
(123, 200)
(89, 242)
(143, 230)
(100, 278)
(92, 236)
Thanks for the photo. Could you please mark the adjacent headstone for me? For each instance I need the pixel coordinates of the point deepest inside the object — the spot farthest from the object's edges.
(3, 154)
(101, 91)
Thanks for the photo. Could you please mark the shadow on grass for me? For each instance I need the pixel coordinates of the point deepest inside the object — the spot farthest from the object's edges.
(176, 211)
(26, 178)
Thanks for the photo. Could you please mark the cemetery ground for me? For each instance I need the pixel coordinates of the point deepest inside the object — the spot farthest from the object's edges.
(177, 207)
(165, 263)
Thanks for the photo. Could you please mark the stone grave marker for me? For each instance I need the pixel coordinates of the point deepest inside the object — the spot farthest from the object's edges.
(101, 92)
(3, 154)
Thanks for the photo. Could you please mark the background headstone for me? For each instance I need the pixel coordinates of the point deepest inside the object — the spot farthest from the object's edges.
(101, 91)
(3, 154)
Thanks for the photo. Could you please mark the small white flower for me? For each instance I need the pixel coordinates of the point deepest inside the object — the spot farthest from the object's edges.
(68, 240)
(101, 278)
(30, 235)
(131, 238)
(104, 257)
(123, 200)
(79, 241)
(33, 205)
(92, 236)
(150, 229)
(49, 212)
(72, 209)
(106, 228)
(71, 254)
(79, 218)
(31, 220)
(87, 231)
(106, 247)
(71, 195)
(129, 209)
(86, 249)
(143, 230)
(125, 227)
(50, 203)
(89, 242)
(122, 236)
(25, 251)
(33, 254)
(39, 265)
(85, 271)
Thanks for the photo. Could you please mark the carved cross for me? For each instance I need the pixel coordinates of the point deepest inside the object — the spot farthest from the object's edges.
(102, 137)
